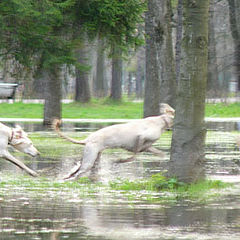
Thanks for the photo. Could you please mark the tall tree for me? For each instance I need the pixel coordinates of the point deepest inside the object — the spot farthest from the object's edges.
(31, 32)
(160, 84)
(52, 107)
(32, 29)
(187, 150)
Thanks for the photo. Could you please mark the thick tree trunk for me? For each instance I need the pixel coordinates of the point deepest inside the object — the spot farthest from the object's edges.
(83, 93)
(187, 150)
(160, 84)
(153, 71)
(53, 92)
(117, 68)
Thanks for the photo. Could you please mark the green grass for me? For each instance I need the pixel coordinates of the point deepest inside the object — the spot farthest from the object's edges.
(200, 191)
(154, 189)
(104, 109)
(223, 110)
(95, 110)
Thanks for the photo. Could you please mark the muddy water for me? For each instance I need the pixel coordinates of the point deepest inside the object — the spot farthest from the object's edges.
(34, 212)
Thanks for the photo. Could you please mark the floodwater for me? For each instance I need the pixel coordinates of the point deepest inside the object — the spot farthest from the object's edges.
(94, 213)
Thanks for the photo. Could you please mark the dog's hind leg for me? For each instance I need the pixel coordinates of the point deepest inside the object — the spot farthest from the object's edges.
(90, 155)
(95, 169)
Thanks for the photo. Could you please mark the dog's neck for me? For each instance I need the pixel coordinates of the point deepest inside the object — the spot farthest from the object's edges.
(166, 122)
(13, 139)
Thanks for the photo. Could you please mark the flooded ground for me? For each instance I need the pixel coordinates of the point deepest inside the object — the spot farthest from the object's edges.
(42, 208)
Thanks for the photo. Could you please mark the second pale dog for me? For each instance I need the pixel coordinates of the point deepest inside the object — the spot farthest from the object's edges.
(135, 136)
(18, 139)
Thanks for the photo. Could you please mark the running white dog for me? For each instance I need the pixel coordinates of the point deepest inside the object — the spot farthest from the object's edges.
(135, 136)
(17, 138)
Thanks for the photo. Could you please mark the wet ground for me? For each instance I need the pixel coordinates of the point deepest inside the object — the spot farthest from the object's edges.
(36, 209)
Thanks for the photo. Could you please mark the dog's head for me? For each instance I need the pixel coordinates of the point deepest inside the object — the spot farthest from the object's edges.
(21, 142)
(166, 109)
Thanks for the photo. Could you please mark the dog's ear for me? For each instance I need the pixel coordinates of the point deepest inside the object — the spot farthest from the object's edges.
(18, 133)
(170, 111)
(18, 127)
(166, 109)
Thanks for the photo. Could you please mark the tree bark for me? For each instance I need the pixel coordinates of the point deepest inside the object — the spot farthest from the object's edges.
(187, 150)
(53, 93)
(117, 68)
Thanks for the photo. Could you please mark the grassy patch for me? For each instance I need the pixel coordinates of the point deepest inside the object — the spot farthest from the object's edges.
(42, 187)
(104, 108)
(158, 183)
(155, 189)
(95, 109)
(223, 110)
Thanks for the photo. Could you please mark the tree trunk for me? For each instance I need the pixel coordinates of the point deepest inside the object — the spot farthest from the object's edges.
(213, 88)
(153, 73)
(140, 76)
(117, 68)
(187, 150)
(168, 85)
(100, 82)
(234, 11)
(82, 93)
(160, 84)
(130, 85)
(53, 92)
(179, 39)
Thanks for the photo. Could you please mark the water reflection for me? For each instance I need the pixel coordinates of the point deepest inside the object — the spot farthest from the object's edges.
(52, 215)
(25, 218)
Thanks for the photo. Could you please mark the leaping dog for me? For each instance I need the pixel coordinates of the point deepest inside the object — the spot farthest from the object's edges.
(17, 138)
(135, 136)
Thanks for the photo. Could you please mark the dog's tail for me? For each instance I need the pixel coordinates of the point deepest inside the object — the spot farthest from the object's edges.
(56, 126)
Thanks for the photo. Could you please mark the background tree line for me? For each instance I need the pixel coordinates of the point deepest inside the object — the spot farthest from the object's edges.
(191, 49)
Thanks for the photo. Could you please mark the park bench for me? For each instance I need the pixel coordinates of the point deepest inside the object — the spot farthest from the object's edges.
(7, 90)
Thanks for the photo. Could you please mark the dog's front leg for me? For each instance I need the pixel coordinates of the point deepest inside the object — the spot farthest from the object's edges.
(5, 154)
(155, 151)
